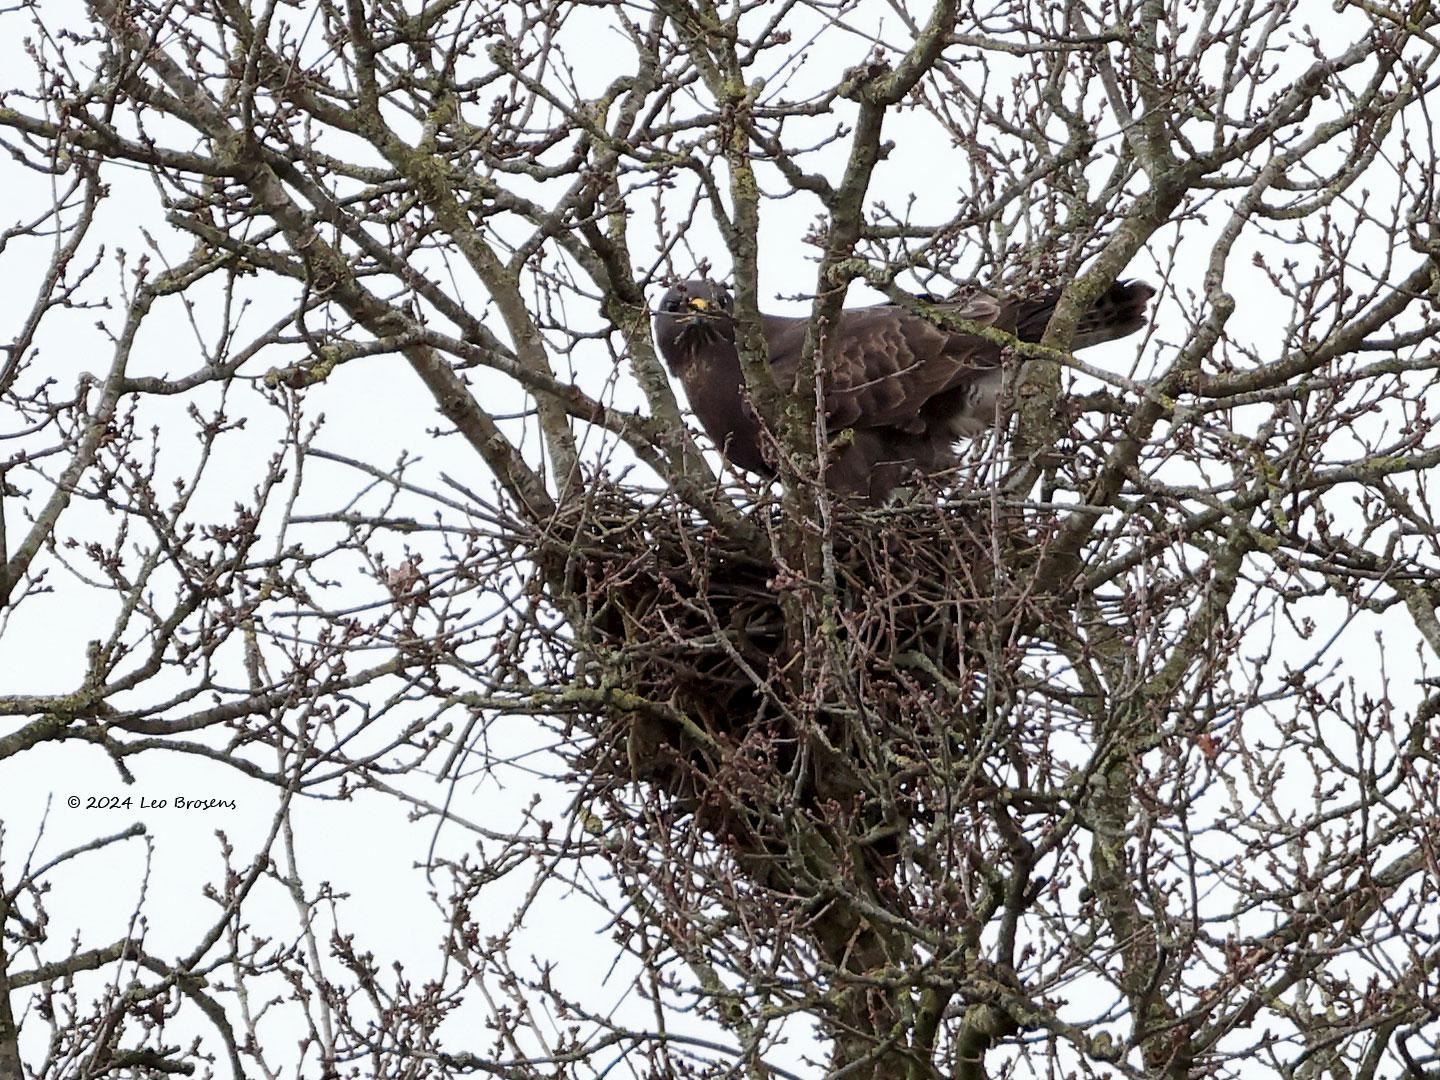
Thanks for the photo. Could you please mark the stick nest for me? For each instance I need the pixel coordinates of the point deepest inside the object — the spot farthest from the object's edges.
(739, 680)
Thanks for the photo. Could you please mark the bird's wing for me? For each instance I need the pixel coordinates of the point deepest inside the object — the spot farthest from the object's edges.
(889, 361)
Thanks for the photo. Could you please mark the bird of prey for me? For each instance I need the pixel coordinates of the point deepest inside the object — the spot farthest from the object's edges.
(900, 390)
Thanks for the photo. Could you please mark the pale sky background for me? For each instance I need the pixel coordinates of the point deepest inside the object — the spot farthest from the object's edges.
(377, 409)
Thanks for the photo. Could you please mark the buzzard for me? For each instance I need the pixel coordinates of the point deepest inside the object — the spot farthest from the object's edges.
(901, 389)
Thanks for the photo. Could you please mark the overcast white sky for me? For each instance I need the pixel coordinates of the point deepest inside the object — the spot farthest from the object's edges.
(377, 409)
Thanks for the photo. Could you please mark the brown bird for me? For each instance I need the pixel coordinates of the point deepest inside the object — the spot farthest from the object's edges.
(900, 390)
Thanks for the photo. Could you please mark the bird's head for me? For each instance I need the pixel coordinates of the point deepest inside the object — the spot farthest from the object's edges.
(692, 314)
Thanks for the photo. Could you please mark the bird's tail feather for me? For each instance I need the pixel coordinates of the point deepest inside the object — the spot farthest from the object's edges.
(1120, 312)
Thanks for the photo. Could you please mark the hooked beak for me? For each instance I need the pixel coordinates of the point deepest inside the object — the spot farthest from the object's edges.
(697, 315)
(697, 320)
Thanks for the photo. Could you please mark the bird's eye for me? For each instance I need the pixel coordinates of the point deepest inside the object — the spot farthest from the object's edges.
(725, 300)
(672, 304)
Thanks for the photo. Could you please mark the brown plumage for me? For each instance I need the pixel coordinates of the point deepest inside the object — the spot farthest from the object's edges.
(901, 389)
